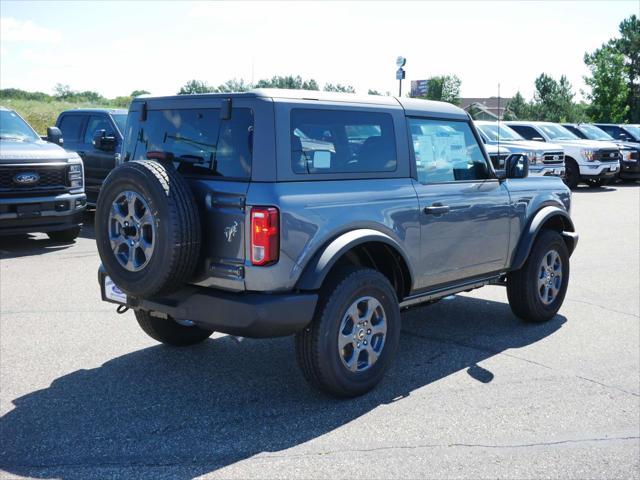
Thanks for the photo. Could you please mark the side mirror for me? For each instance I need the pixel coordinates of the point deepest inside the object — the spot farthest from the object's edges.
(54, 135)
(103, 142)
(516, 166)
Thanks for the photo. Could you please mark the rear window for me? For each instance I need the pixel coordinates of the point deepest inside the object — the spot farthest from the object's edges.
(197, 141)
(338, 141)
(71, 126)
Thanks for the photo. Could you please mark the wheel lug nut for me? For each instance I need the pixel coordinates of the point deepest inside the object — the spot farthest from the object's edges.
(365, 342)
(358, 344)
(369, 332)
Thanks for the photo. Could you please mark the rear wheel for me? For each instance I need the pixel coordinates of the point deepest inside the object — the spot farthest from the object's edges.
(68, 235)
(571, 173)
(169, 331)
(354, 334)
(537, 290)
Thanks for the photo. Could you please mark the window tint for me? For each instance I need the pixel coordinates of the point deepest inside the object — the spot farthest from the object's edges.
(616, 132)
(335, 141)
(196, 140)
(446, 151)
(96, 123)
(71, 126)
(527, 132)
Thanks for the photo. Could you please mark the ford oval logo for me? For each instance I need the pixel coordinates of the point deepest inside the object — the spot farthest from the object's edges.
(556, 157)
(612, 154)
(27, 178)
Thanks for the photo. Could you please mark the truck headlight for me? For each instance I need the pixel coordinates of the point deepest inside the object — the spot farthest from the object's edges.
(75, 175)
(626, 155)
(588, 154)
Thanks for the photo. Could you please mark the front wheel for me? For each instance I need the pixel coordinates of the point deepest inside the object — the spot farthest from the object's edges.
(354, 334)
(170, 332)
(68, 235)
(537, 290)
(571, 174)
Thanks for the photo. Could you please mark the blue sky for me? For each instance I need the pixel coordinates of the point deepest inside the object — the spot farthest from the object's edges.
(116, 47)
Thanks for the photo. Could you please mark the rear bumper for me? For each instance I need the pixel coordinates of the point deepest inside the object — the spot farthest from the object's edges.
(249, 314)
(41, 214)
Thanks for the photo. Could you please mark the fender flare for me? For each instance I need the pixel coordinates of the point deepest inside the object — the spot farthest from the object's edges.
(317, 269)
(530, 233)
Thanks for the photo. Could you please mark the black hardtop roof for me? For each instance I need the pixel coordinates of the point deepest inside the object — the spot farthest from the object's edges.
(411, 105)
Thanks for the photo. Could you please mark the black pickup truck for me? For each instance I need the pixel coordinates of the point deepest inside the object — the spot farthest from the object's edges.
(96, 135)
(41, 184)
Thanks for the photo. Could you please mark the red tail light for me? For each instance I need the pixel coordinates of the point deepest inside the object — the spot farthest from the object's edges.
(265, 235)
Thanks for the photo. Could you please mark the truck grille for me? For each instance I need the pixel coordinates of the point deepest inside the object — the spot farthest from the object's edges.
(553, 157)
(49, 179)
(607, 155)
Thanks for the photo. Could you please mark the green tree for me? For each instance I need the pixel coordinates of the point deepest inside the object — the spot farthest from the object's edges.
(195, 86)
(62, 91)
(330, 87)
(518, 108)
(233, 85)
(288, 81)
(629, 46)
(444, 88)
(553, 100)
(373, 92)
(609, 93)
(137, 93)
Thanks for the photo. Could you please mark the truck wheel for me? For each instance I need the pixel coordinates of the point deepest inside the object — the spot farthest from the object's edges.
(571, 173)
(147, 228)
(537, 290)
(354, 334)
(68, 235)
(595, 183)
(168, 331)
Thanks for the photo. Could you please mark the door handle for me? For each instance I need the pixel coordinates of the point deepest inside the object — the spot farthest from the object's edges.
(437, 209)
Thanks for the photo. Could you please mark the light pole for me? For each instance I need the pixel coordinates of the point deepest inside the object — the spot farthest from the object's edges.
(400, 73)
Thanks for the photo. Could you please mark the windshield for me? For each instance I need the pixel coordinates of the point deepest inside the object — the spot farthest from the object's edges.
(493, 131)
(633, 130)
(594, 133)
(12, 127)
(557, 132)
(121, 120)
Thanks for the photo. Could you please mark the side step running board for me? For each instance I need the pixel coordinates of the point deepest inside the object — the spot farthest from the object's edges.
(445, 291)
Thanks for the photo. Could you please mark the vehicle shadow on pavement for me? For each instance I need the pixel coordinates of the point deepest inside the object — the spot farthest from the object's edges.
(27, 245)
(199, 409)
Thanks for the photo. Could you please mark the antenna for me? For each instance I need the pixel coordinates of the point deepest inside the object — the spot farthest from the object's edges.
(498, 121)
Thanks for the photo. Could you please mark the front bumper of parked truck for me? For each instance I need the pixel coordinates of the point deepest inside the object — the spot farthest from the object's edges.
(41, 213)
(599, 169)
(246, 314)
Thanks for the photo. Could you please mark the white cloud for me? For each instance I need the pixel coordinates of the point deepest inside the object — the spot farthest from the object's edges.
(14, 30)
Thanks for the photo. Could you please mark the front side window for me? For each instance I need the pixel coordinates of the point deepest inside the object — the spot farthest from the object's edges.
(446, 151)
(338, 141)
(97, 123)
(71, 126)
(197, 141)
(594, 133)
(528, 133)
(12, 127)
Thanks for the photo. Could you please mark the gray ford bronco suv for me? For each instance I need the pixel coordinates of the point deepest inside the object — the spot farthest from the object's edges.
(278, 212)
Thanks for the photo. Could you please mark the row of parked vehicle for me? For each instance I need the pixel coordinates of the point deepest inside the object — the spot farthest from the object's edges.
(582, 153)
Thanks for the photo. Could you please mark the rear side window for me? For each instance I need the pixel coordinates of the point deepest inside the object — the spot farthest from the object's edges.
(338, 141)
(195, 140)
(71, 127)
(526, 132)
(446, 151)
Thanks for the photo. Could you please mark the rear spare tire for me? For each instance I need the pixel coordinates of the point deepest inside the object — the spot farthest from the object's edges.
(147, 228)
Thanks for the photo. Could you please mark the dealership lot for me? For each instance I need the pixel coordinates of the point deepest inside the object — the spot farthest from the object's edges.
(473, 393)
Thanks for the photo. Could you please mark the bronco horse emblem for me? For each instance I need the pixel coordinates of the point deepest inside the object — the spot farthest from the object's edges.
(230, 231)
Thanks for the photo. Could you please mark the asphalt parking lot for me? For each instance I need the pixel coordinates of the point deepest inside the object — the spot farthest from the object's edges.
(474, 392)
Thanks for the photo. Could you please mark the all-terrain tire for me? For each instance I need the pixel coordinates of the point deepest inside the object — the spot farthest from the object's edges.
(166, 330)
(523, 288)
(175, 220)
(68, 235)
(317, 350)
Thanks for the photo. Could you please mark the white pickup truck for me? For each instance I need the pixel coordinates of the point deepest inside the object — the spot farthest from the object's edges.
(592, 162)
